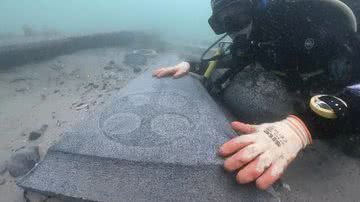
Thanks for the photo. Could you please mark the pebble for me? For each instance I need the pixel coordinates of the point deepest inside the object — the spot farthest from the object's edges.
(133, 59)
(92, 85)
(43, 128)
(34, 135)
(2, 181)
(21, 90)
(43, 97)
(23, 161)
(137, 69)
(82, 106)
(34, 197)
(2, 168)
(53, 200)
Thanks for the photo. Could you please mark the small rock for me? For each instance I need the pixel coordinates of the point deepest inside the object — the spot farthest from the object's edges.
(34, 197)
(53, 199)
(2, 181)
(18, 80)
(23, 134)
(92, 85)
(120, 69)
(109, 67)
(99, 96)
(134, 59)
(137, 69)
(43, 97)
(61, 82)
(43, 128)
(21, 90)
(2, 168)
(18, 149)
(34, 135)
(23, 161)
(104, 86)
(82, 106)
(57, 66)
(287, 187)
(56, 91)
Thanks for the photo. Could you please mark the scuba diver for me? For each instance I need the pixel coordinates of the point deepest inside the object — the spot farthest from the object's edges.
(290, 74)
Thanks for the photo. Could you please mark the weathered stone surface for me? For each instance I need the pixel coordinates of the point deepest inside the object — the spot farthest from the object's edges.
(157, 141)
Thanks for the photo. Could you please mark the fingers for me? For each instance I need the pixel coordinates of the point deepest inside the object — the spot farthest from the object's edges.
(162, 72)
(236, 144)
(272, 174)
(243, 128)
(179, 74)
(254, 169)
(244, 156)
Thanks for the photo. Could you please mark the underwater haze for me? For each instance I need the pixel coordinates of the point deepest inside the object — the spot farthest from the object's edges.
(180, 20)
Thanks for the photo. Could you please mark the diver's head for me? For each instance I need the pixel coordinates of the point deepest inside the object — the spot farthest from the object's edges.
(231, 16)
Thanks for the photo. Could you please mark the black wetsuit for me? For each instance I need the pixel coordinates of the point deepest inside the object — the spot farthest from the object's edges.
(304, 74)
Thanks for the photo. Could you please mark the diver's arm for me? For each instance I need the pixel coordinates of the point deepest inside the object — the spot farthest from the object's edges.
(323, 125)
(199, 67)
(185, 67)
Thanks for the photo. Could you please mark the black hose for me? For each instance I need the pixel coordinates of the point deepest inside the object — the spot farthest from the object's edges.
(207, 50)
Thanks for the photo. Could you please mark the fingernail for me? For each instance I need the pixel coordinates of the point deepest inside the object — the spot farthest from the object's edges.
(221, 150)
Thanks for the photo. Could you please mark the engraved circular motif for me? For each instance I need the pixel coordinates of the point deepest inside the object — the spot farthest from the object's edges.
(149, 119)
(139, 100)
(170, 125)
(121, 124)
(172, 101)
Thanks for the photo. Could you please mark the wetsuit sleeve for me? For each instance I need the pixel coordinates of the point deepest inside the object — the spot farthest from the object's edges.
(197, 67)
(200, 67)
(322, 128)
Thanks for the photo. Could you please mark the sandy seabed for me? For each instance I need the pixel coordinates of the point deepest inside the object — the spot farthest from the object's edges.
(58, 93)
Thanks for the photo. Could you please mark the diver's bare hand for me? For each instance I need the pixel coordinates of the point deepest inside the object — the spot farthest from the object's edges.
(176, 71)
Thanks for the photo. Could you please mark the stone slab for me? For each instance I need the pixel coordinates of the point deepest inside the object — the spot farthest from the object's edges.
(157, 141)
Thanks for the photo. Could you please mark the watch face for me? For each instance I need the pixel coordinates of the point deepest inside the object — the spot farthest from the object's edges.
(323, 105)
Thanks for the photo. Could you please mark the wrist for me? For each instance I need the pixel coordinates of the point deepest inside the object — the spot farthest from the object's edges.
(185, 66)
(300, 129)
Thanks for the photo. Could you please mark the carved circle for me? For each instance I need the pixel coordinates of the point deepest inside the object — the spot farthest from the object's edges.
(149, 119)
(139, 100)
(170, 125)
(172, 101)
(121, 124)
